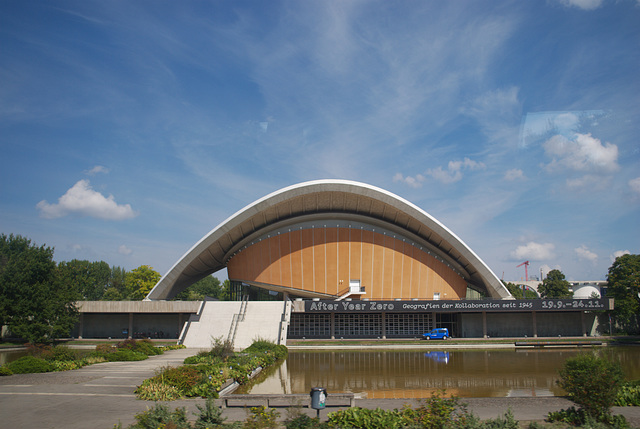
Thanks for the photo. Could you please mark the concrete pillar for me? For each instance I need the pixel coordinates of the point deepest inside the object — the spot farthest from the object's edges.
(484, 324)
(582, 323)
(81, 326)
(180, 323)
(384, 325)
(130, 325)
(333, 326)
(535, 324)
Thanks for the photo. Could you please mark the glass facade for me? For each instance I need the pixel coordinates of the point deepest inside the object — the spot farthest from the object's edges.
(310, 325)
(408, 325)
(239, 289)
(358, 325)
(369, 325)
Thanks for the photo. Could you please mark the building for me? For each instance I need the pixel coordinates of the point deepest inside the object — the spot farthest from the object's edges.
(338, 258)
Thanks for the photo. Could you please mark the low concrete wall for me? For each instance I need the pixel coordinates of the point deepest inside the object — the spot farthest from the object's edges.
(137, 319)
(138, 306)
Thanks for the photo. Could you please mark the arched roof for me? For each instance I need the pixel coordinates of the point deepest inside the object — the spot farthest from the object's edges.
(325, 197)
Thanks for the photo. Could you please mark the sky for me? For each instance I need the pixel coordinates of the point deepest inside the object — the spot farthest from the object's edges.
(130, 129)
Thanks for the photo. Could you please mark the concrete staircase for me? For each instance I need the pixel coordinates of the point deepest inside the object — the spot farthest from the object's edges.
(237, 321)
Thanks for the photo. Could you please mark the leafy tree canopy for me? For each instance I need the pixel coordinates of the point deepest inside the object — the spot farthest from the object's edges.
(34, 302)
(91, 279)
(555, 286)
(623, 285)
(209, 286)
(516, 291)
(140, 281)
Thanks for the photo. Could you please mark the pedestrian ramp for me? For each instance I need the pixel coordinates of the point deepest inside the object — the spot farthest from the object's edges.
(240, 322)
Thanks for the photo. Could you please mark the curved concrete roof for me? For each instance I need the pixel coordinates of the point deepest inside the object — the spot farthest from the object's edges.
(329, 197)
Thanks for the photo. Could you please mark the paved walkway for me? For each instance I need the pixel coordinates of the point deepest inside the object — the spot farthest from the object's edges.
(100, 396)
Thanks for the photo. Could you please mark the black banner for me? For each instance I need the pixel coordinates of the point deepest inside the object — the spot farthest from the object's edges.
(463, 306)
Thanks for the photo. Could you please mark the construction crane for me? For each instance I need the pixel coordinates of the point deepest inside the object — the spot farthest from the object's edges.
(526, 271)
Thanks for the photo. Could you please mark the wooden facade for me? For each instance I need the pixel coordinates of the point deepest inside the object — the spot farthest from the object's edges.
(323, 260)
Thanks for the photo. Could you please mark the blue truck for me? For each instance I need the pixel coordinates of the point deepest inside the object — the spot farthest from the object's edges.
(437, 334)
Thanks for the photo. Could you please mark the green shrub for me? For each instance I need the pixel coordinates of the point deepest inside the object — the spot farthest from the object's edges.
(41, 351)
(629, 394)
(182, 378)
(297, 420)
(592, 383)
(357, 417)
(140, 346)
(262, 418)
(210, 416)
(152, 390)
(161, 417)
(173, 347)
(281, 352)
(221, 348)
(579, 418)
(260, 345)
(4, 370)
(507, 421)
(103, 349)
(438, 411)
(125, 356)
(203, 357)
(58, 365)
(62, 353)
(92, 359)
(28, 365)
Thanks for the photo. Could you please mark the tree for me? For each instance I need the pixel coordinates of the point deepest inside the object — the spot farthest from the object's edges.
(91, 279)
(116, 291)
(555, 286)
(140, 281)
(209, 286)
(225, 295)
(35, 303)
(623, 285)
(516, 291)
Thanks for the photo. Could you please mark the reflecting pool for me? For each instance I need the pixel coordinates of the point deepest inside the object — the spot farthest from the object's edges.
(416, 374)
(7, 356)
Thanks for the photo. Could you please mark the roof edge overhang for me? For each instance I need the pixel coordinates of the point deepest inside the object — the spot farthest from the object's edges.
(191, 267)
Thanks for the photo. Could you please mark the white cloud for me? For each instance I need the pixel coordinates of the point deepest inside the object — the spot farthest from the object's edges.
(124, 250)
(534, 251)
(634, 184)
(454, 170)
(514, 174)
(97, 169)
(583, 153)
(583, 252)
(414, 182)
(81, 199)
(443, 176)
(583, 4)
(619, 253)
(590, 182)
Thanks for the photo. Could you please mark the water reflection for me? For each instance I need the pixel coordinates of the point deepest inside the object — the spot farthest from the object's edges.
(442, 357)
(7, 356)
(416, 374)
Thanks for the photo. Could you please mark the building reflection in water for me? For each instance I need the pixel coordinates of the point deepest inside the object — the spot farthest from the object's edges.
(417, 374)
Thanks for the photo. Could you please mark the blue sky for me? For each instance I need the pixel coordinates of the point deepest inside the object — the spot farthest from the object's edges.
(129, 129)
